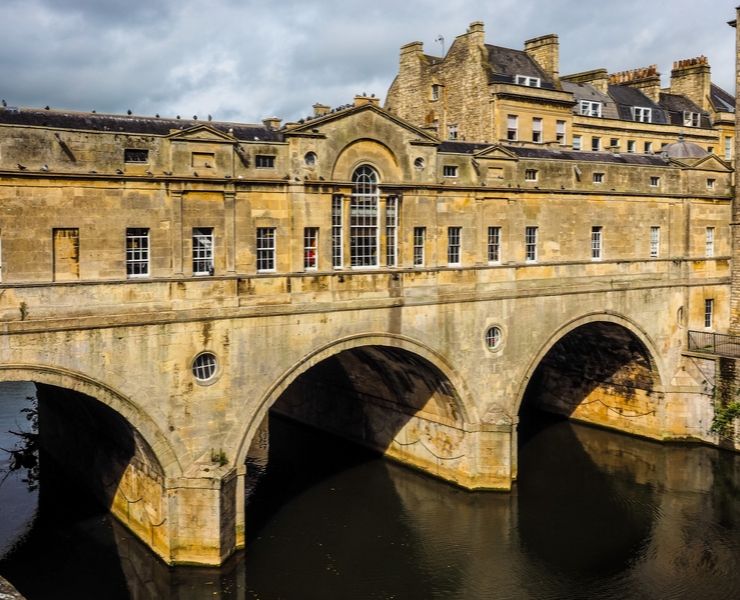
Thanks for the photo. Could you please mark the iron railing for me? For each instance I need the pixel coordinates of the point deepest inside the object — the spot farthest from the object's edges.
(714, 343)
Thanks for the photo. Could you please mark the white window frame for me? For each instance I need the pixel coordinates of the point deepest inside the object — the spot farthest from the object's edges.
(310, 248)
(654, 181)
(537, 130)
(137, 252)
(691, 119)
(363, 218)
(512, 128)
(710, 183)
(654, 241)
(642, 114)
(420, 240)
(454, 246)
(391, 230)
(597, 232)
(590, 108)
(493, 247)
(631, 145)
(449, 170)
(595, 144)
(648, 148)
(266, 249)
(452, 132)
(577, 142)
(709, 242)
(337, 232)
(728, 147)
(560, 132)
(264, 161)
(598, 177)
(531, 174)
(204, 246)
(436, 89)
(708, 313)
(528, 80)
(530, 244)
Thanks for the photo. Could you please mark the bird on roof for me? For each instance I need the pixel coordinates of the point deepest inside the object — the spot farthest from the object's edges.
(21, 167)
(128, 112)
(119, 172)
(47, 107)
(4, 102)
(44, 167)
(167, 172)
(149, 173)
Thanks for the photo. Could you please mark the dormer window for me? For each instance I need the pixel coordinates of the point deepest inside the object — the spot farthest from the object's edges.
(642, 114)
(589, 108)
(691, 119)
(528, 81)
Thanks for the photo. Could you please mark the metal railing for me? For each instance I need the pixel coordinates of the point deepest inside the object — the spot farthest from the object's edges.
(714, 343)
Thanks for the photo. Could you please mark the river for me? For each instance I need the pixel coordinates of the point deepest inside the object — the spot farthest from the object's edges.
(594, 514)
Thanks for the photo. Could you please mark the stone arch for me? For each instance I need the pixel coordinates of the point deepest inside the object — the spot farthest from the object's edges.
(367, 151)
(130, 411)
(657, 369)
(464, 403)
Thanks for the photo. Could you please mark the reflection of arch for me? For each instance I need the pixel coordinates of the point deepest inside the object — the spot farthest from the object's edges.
(366, 151)
(464, 404)
(656, 367)
(133, 414)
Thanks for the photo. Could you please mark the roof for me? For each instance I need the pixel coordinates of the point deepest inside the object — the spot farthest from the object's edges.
(677, 105)
(627, 97)
(129, 123)
(586, 91)
(683, 149)
(506, 63)
(721, 100)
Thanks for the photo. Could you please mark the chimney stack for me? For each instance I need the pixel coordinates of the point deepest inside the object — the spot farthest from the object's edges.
(272, 123)
(645, 79)
(692, 78)
(545, 51)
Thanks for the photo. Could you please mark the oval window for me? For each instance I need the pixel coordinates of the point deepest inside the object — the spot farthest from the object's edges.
(310, 159)
(419, 163)
(493, 338)
(204, 366)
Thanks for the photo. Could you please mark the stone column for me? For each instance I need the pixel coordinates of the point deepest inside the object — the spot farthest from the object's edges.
(176, 233)
(230, 230)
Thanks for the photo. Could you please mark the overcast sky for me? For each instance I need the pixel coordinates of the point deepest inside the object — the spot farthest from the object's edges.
(248, 59)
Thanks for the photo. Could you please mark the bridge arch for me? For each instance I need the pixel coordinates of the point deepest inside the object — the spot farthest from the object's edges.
(464, 407)
(632, 374)
(118, 402)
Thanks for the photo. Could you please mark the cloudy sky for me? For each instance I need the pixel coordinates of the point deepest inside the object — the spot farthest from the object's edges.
(247, 59)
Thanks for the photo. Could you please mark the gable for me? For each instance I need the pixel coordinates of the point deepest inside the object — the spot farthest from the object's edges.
(201, 133)
(496, 152)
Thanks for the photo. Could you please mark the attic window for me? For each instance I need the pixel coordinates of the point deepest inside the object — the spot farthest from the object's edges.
(589, 108)
(264, 161)
(135, 155)
(449, 171)
(642, 114)
(528, 81)
(691, 119)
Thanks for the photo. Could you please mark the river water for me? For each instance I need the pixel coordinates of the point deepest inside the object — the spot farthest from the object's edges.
(594, 515)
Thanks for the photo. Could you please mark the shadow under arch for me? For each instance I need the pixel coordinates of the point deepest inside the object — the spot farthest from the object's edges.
(464, 408)
(600, 368)
(122, 405)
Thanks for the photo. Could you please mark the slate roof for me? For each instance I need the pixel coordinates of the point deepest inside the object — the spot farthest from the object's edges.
(586, 91)
(129, 123)
(627, 97)
(506, 63)
(676, 106)
(721, 100)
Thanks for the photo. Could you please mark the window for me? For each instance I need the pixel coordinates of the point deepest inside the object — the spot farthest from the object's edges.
(436, 91)
(614, 143)
(577, 142)
(728, 147)
(310, 248)
(710, 149)
(560, 132)
(595, 144)
(512, 128)
(527, 80)
(654, 181)
(530, 175)
(631, 146)
(709, 242)
(391, 231)
(536, 130)
(691, 119)
(530, 244)
(493, 338)
(310, 159)
(204, 366)
(598, 178)
(648, 147)
(596, 242)
(135, 155)
(363, 218)
(419, 163)
(264, 161)
(420, 238)
(708, 312)
(137, 252)
(452, 132)
(589, 108)
(449, 171)
(203, 251)
(453, 245)
(265, 249)
(642, 114)
(710, 184)
(654, 242)
(203, 160)
(494, 244)
(337, 236)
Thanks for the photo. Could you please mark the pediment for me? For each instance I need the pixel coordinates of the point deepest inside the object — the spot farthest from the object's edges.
(712, 162)
(496, 152)
(201, 133)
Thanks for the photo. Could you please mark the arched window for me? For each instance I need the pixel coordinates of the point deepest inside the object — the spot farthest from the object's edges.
(364, 218)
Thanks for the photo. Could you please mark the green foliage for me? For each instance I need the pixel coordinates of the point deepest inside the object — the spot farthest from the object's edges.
(724, 418)
(219, 456)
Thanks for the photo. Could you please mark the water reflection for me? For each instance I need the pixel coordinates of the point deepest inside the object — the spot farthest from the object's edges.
(595, 515)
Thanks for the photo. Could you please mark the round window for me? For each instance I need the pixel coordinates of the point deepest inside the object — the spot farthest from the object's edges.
(493, 338)
(419, 163)
(310, 159)
(204, 366)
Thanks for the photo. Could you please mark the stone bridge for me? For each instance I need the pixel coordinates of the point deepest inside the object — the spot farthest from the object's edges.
(401, 361)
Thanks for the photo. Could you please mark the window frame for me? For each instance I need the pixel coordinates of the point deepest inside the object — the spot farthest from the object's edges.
(577, 142)
(203, 254)
(449, 171)
(130, 154)
(598, 177)
(597, 242)
(654, 241)
(392, 212)
(364, 218)
(337, 231)
(512, 128)
(528, 80)
(654, 181)
(454, 246)
(708, 313)
(493, 245)
(709, 238)
(590, 108)
(691, 118)
(310, 248)
(595, 143)
(266, 249)
(530, 243)
(264, 161)
(561, 128)
(531, 175)
(419, 246)
(642, 114)
(537, 129)
(137, 257)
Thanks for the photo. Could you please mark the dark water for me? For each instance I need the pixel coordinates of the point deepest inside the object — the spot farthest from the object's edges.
(594, 515)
